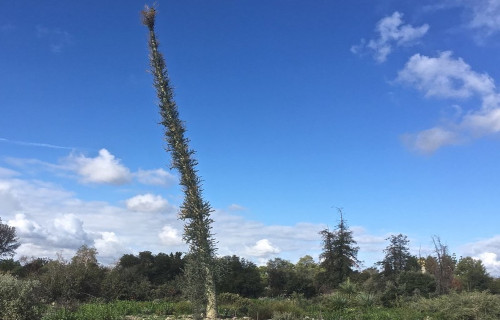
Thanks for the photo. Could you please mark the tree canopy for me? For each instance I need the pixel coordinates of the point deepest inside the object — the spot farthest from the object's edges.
(8, 240)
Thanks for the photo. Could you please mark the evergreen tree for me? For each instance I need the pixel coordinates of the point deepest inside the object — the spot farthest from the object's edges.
(339, 255)
(194, 210)
(397, 256)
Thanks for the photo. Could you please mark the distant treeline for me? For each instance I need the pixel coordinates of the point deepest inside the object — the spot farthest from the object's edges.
(148, 276)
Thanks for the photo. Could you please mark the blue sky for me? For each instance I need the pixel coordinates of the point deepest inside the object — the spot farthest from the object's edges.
(387, 109)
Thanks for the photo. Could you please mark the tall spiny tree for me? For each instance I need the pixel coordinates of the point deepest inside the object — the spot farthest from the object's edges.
(195, 212)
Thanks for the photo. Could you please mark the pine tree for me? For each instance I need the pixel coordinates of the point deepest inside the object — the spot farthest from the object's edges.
(195, 212)
(397, 255)
(339, 255)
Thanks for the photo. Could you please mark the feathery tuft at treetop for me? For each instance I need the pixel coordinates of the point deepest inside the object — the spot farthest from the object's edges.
(194, 210)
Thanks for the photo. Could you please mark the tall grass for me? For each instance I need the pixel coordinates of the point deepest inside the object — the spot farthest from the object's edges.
(117, 310)
(360, 306)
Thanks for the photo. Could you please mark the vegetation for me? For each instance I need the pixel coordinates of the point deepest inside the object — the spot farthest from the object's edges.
(339, 256)
(151, 286)
(195, 211)
(154, 286)
(8, 240)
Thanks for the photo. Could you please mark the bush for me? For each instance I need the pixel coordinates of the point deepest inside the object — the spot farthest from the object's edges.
(336, 301)
(19, 299)
(471, 306)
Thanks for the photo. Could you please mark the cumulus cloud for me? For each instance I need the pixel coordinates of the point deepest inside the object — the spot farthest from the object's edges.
(53, 220)
(148, 203)
(65, 231)
(445, 77)
(68, 232)
(170, 236)
(158, 177)
(27, 228)
(262, 248)
(103, 169)
(451, 78)
(109, 247)
(488, 251)
(391, 32)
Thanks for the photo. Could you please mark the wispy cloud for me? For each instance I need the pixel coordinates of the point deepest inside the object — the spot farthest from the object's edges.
(391, 32)
(157, 177)
(35, 144)
(485, 15)
(57, 39)
(452, 78)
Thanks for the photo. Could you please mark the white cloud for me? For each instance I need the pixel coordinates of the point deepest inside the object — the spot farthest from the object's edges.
(148, 203)
(158, 177)
(109, 247)
(53, 220)
(170, 236)
(451, 78)
(65, 231)
(485, 15)
(27, 228)
(7, 173)
(35, 144)
(391, 32)
(263, 248)
(445, 77)
(8, 200)
(68, 232)
(488, 251)
(103, 169)
(430, 140)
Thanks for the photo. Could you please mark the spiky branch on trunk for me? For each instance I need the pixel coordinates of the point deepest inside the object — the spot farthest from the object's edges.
(194, 211)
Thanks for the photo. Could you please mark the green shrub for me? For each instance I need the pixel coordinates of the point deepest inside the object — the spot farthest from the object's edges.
(470, 306)
(19, 299)
(365, 300)
(336, 301)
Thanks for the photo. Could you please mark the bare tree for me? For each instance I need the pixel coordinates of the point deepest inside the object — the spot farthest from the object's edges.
(445, 266)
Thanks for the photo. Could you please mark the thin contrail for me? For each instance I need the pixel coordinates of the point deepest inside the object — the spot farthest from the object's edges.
(35, 144)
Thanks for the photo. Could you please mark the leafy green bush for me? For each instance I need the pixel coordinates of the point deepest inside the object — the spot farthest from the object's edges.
(19, 299)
